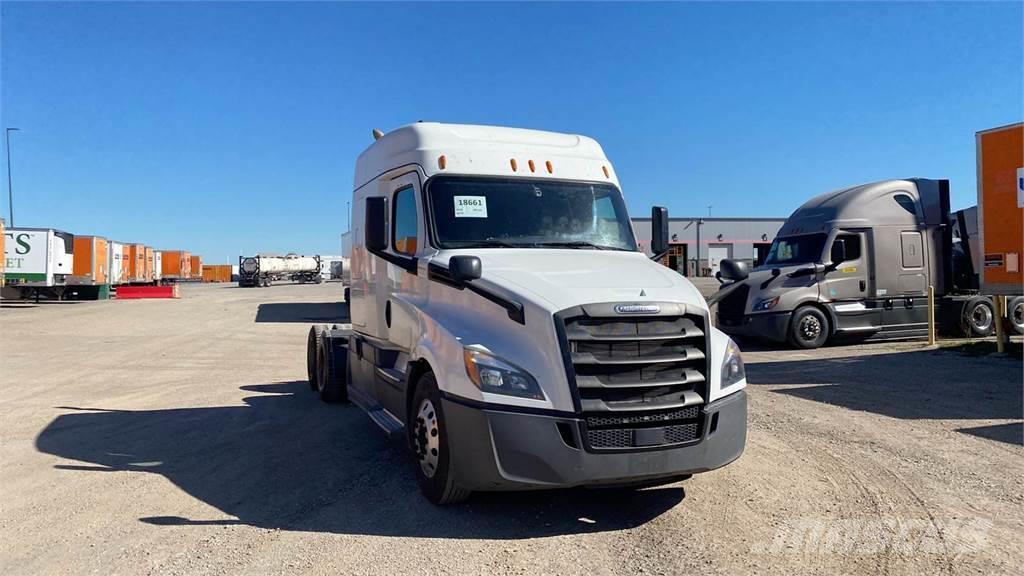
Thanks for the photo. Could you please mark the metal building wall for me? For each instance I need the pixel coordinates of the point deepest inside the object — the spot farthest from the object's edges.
(741, 234)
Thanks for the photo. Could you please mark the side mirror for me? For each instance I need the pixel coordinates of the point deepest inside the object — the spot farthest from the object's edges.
(376, 219)
(733, 270)
(838, 251)
(464, 268)
(659, 230)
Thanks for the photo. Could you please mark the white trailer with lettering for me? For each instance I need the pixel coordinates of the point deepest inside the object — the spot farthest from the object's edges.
(38, 261)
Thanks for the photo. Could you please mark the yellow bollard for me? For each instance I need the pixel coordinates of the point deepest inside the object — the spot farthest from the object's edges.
(931, 315)
(1000, 307)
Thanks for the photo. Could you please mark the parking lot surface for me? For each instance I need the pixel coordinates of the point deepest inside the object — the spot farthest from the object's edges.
(180, 437)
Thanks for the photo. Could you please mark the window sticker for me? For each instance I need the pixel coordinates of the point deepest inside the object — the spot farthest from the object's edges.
(470, 206)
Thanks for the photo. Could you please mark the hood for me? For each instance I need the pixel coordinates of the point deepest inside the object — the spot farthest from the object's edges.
(775, 286)
(558, 279)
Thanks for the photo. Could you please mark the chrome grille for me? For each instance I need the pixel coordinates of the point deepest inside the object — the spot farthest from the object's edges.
(640, 380)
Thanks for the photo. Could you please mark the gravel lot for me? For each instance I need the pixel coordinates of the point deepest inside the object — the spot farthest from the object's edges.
(180, 437)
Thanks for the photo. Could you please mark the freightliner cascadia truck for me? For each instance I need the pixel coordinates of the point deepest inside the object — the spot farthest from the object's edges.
(857, 264)
(505, 322)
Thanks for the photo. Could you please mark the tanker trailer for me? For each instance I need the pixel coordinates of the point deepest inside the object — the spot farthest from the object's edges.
(262, 270)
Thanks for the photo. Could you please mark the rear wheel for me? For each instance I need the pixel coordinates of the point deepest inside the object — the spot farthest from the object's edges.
(428, 436)
(332, 371)
(311, 356)
(1016, 313)
(978, 317)
(809, 328)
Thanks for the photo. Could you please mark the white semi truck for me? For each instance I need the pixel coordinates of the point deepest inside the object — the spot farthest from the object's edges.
(505, 321)
(38, 261)
(263, 270)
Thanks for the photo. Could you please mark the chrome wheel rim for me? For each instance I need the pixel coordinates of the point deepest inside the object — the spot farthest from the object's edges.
(427, 438)
(1018, 314)
(981, 317)
(810, 328)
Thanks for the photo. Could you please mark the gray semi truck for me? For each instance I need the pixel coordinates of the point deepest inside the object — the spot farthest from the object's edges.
(857, 263)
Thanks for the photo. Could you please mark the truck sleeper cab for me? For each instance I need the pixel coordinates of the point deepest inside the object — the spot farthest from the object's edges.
(857, 263)
(504, 318)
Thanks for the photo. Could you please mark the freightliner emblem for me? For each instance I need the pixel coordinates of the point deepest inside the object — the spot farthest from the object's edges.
(638, 308)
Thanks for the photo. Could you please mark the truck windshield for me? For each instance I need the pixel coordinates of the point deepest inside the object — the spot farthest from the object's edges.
(516, 213)
(796, 250)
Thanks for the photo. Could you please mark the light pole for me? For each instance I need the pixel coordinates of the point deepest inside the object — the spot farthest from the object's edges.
(10, 191)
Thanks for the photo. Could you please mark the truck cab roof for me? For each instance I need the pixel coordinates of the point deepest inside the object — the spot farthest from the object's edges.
(485, 150)
(895, 202)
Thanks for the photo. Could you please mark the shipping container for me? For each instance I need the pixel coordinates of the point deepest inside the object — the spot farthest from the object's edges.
(196, 268)
(1001, 208)
(176, 265)
(136, 263)
(216, 272)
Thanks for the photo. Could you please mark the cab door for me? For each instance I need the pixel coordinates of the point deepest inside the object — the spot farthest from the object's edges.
(850, 284)
(400, 289)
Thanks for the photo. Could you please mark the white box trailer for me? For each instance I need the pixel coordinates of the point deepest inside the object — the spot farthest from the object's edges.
(38, 261)
(117, 263)
(158, 266)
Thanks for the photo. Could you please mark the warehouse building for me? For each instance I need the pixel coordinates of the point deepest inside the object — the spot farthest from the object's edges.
(697, 245)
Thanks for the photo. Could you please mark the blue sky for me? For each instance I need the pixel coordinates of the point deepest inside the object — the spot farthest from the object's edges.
(221, 128)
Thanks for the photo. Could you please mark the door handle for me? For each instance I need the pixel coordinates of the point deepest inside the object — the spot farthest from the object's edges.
(863, 285)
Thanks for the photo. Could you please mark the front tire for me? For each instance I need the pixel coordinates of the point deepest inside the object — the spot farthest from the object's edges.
(809, 328)
(428, 437)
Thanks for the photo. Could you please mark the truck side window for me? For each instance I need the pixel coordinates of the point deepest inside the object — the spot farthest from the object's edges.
(906, 202)
(404, 227)
(852, 242)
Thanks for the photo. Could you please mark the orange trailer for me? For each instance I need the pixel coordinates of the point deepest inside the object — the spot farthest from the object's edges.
(175, 265)
(217, 273)
(137, 263)
(196, 265)
(90, 266)
(150, 266)
(1001, 208)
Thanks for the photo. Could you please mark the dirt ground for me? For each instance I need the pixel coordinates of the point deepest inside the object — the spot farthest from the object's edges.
(180, 437)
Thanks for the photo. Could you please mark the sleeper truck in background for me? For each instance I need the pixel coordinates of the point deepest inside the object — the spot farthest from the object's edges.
(38, 261)
(263, 270)
(487, 328)
(857, 263)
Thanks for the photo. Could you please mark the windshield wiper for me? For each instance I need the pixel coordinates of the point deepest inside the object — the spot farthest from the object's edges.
(576, 244)
(489, 243)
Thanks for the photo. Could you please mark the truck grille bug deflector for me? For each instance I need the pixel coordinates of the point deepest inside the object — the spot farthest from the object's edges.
(639, 381)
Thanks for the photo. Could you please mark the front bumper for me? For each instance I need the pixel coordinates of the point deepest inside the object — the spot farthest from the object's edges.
(498, 450)
(764, 326)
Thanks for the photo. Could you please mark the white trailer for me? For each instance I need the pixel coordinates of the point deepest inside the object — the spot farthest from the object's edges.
(38, 261)
(117, 263)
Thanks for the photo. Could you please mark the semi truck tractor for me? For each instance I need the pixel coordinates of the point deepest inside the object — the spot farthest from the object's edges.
(504, 321)
(857, 264)
(263, 270)
(38, 261)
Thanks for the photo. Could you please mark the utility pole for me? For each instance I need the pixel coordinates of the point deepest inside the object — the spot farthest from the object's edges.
(700, 222)
(10, 191)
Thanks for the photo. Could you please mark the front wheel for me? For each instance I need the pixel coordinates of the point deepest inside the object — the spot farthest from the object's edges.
(428, 436)
(809, 328)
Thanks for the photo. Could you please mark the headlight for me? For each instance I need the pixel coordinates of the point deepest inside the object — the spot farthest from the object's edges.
(763, 305)
(499, 377)
(732, 365)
